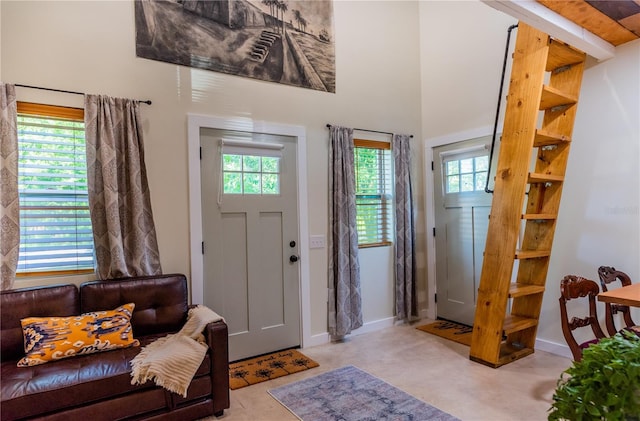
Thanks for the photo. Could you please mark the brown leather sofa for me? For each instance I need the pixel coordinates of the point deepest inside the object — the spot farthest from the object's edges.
(98, 386)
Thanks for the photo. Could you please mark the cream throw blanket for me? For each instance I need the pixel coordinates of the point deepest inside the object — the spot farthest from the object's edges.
(172, 361)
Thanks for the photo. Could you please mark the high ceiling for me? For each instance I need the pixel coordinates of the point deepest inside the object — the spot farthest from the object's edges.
(616, 22)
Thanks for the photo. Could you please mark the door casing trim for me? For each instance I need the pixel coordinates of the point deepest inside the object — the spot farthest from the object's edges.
(195, 122)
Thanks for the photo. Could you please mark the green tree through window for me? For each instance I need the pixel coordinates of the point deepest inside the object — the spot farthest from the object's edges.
(55, 226)
(466, 175)
(250, 174)
(373, 192)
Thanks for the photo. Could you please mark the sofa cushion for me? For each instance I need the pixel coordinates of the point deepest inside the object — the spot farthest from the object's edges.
(16, 304)
(161, 301)
(54, 338)
(72, 382)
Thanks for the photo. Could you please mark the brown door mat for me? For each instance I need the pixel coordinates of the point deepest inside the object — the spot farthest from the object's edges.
(267, 367)
(453, 331)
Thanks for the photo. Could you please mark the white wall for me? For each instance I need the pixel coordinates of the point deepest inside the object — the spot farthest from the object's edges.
(89, 46)
(381, 46)
(599, 219)
(462, 51)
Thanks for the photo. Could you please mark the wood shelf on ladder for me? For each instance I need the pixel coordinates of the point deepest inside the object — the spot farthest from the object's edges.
(501, 336)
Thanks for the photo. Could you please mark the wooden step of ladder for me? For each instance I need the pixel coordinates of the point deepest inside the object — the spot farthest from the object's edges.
(541, 107)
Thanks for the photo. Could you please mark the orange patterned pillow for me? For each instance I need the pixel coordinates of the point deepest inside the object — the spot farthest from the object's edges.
(53, 338)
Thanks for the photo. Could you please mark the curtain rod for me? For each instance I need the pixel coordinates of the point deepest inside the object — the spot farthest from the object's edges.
(372, 131)
(148, 102)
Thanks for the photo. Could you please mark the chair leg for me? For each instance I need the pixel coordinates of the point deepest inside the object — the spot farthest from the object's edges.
(609, 323)
(219, 413)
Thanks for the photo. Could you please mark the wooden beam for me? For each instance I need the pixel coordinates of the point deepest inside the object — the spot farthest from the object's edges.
(599, 17)
(552, 23)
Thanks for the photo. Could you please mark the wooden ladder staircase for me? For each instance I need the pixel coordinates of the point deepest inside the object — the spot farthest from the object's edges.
(541, 107)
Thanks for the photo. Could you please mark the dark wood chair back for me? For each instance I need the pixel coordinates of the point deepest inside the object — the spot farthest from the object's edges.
(609, 274)
(576, 287)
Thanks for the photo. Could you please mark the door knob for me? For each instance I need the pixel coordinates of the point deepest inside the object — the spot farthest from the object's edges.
(293, 258)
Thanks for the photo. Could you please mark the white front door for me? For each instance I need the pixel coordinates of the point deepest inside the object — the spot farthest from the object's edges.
(250, 231)
(462, 218)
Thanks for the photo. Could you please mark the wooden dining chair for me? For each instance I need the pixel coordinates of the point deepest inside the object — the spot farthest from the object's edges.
(575, 287)
(609, 274)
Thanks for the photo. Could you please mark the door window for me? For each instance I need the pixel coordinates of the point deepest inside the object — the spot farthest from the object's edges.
(250, 174)
(250, 168)
(466, 172)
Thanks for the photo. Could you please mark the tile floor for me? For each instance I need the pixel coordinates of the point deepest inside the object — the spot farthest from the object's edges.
(435, 370)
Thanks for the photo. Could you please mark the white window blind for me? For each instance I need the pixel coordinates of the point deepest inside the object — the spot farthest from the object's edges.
(248, 147)
(374, 214)
(55, 227)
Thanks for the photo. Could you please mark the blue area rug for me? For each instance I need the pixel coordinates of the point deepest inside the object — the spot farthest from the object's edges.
(350, 394)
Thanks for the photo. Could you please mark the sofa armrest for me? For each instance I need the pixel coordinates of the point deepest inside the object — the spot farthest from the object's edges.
(217, 337)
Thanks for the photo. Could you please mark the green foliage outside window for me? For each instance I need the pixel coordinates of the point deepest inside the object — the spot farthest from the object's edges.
(250, 174)
(373, 196)
(466, 175)
(55, 226)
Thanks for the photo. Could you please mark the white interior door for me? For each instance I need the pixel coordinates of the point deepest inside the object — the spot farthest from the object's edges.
(250, 231)
(462, 218)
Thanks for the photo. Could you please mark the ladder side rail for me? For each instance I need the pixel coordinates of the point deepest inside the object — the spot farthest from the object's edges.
(516, 149)
(540, 235)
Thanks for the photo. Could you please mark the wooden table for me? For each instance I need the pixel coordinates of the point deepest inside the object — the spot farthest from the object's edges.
(629, 295)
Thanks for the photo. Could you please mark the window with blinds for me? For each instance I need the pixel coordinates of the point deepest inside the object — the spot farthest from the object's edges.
(55, 227)
(374, 198)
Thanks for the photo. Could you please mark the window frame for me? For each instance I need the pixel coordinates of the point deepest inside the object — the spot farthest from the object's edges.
(57, 112)
(458, 157)
(386, 202)
(248, 148)
(260, 173)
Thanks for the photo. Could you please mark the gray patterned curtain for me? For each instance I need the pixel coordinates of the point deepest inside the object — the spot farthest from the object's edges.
(345, 303)
(9, 200)
(120, 204)
(405, 256)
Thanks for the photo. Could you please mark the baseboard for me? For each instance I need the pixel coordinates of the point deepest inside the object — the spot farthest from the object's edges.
(324, 338)
(375, 325)
(426, 314)
(319, 339)
(554, 348)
